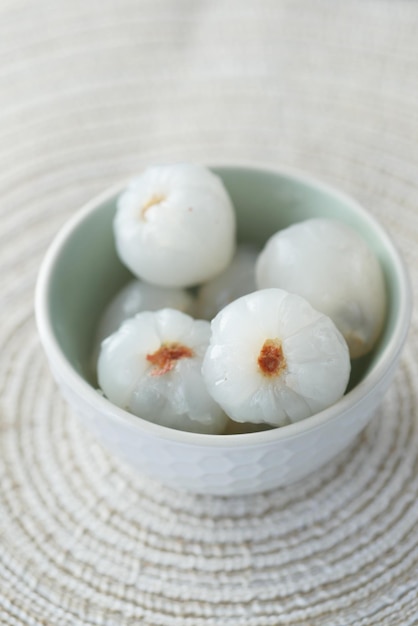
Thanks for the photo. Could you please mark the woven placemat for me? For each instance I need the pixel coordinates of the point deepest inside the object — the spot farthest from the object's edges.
(90, 93)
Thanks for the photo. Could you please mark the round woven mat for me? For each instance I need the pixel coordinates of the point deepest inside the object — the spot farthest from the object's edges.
(91, 92)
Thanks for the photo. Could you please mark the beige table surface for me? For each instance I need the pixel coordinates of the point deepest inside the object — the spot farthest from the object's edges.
(90, 93)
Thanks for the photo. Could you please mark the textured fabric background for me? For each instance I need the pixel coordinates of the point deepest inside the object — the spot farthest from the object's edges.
(92, 91)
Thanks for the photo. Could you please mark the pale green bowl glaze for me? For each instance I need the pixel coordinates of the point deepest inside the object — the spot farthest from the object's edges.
(81, 273)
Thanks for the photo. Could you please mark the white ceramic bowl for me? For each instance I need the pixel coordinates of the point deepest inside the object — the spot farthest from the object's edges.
(81, 273)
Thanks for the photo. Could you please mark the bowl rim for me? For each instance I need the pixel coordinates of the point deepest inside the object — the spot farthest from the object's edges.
(63, 371)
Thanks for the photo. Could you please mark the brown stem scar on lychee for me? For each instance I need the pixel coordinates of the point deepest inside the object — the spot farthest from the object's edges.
(165, 358)
(157, 198)
(271, 359)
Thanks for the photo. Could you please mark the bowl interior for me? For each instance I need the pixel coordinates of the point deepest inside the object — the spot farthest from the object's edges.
(87, 272)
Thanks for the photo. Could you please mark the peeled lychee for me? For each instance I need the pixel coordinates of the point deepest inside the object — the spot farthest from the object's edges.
(331, 265)
(274, 359)
(175, 225)
(151, 367)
